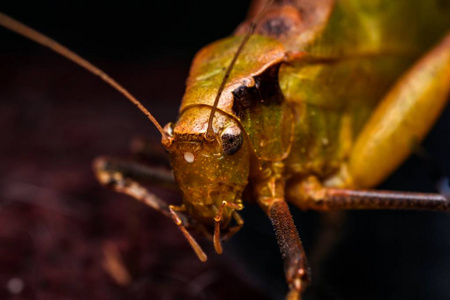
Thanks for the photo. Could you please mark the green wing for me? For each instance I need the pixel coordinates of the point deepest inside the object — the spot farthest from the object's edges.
(355, 50)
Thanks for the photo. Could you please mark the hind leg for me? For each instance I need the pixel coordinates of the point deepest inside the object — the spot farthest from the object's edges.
(401, 120)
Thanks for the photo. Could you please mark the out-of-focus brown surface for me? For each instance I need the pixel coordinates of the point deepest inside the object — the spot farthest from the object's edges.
(64, 236)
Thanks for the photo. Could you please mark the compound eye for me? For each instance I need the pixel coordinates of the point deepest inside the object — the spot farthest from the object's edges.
(168, 129)
(231, 139)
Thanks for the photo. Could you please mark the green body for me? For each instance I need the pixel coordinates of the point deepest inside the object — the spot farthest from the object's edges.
(364, 48)
(319, 79)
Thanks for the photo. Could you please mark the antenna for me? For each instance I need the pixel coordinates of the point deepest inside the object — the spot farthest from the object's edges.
(39, 38)
(251, 29)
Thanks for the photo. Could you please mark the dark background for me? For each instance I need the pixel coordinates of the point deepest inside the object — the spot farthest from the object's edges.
(56, 221)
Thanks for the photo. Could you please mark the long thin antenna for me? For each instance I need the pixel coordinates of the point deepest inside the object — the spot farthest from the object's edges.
(251, 29)
(39, 38)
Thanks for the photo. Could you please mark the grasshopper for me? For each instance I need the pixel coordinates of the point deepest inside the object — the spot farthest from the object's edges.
(309, 102)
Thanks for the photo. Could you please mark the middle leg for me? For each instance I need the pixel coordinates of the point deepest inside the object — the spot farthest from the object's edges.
(310, 194)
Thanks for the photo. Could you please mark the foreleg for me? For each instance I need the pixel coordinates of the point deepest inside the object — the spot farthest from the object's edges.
(120, 176)
(107, 167)
(271, 199)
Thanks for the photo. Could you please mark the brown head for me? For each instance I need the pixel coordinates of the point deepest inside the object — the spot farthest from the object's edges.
(208, 171)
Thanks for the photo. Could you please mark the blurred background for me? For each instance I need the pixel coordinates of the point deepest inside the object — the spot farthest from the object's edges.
(61, 234)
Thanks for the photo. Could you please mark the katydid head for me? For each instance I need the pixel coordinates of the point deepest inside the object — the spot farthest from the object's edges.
(209, 171)
(209, 149)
